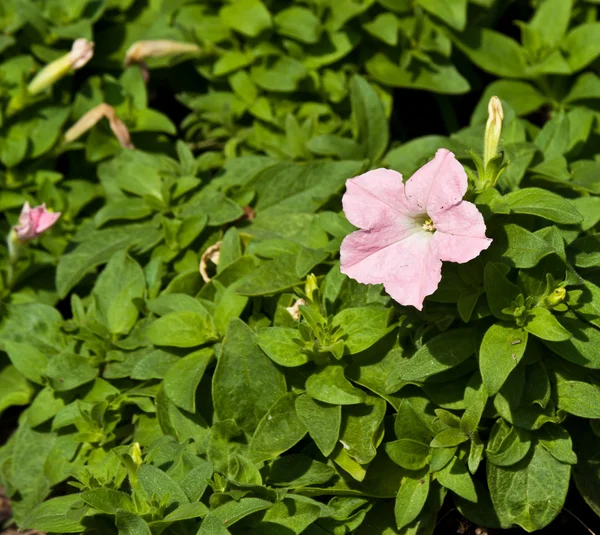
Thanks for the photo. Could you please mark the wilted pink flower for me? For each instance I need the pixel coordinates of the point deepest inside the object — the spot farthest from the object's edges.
(34, 221)
(408, 229)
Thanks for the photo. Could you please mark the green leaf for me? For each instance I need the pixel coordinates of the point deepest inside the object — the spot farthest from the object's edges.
(360, 429)
(322, 421)
(108, 501)
(27, 360)
(500, 292)
(183, 378)
(582, 45)
(298, 23)
(530, 493)
(278, 431)
(557, 441)
(492, 51)
(98, 248)
(507, 445)
(577, 397)
(543, 203)
(280, 344)
(121, 281)
(155, 482)
(455, 477)
(410, 499)
(407, 453)
(14, 388)
(519, 247)
(448, 438)
(544, 325)
(52, 516)
(180, 329)
(299, 470)
(329, 385)
(441, 353)
(362, 327)
(452, 12)
(583, 348)
(249, 17)
(373, 132)
(246, 383)
(131, 524)
(502, 349)
(67, 371)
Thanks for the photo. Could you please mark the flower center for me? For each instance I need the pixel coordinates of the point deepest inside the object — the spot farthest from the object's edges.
(428, 225)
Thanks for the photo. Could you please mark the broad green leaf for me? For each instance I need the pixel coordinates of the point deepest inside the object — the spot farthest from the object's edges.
(14, 388)
(544, 325)
(583, 348)
(278, 431)
(452, 12)
(507, 445)
(410, 499)
(407, 453)
(27, 360)
(373, 134)
(449, 438)
(582, 45)
(502, 348)
(180, 329)
(183, 378)
(360, 429)
(131, 524)
(329, 385)
(249, 17)
(518, 247)
(441, 353)
(121, 281)
(577, 397)
(108, 500)
(67, 371)
(155, 482)
(530, 493)
(543, 203)
(323, 422)
(455, 477)
(363, 326)
(52, 516)
(298, 23)
(246, 383)
(282, 345)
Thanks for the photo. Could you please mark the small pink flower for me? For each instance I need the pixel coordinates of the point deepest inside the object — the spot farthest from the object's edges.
(34, 221)
(408, 229)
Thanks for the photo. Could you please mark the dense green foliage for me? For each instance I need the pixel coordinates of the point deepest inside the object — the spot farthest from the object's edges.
(155, 400)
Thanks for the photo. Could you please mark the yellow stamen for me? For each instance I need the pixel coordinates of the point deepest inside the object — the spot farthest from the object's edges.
(428, 225)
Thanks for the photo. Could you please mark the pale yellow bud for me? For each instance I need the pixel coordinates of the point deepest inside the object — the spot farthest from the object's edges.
(81, 52)
(310, 286)
(159, 48)
(92, 117)
(493, 129)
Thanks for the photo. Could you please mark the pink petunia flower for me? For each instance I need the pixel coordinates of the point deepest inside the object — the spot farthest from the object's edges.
(409, 229)
(34, 221)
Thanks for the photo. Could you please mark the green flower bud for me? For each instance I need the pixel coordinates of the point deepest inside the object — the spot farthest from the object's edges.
(493, 130)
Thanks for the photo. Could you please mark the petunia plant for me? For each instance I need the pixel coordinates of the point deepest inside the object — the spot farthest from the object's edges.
(263, 271)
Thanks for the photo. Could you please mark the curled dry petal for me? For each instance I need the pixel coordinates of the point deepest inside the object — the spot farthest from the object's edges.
(159, 48)
(210, 255)
(407, 230)
(92, 117)
(81, 52)
(34, 221)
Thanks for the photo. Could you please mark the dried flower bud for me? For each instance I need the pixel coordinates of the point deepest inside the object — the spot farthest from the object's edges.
(92, 117)
(493, 129)
(34, 221)
(81, 52)
(211, 254)
(160, 48)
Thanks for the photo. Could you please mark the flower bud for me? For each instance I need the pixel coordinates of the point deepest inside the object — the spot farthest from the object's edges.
(92, 117)
(556, 297)
(493, 130)
(81, 52)
(33, 222)
(210, 255)
(310, 286)
(160, 48)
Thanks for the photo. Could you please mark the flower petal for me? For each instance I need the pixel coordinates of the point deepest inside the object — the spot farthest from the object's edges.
(419, 276)
(408, 267)
(460, 233)
(439, 184)
(374, 199)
